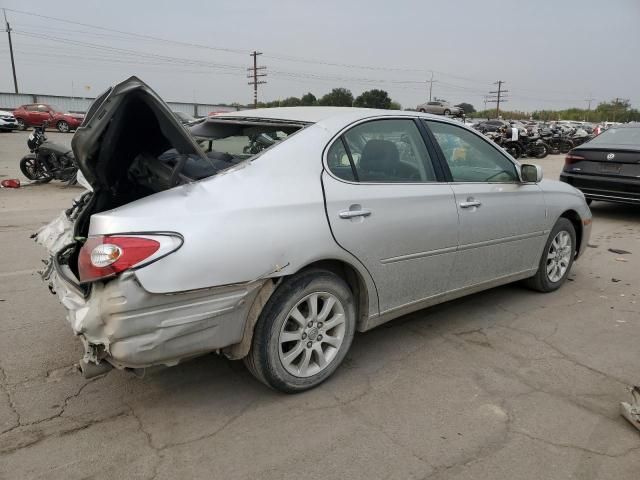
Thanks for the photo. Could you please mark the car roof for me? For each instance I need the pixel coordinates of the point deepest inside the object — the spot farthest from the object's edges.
(311, 114)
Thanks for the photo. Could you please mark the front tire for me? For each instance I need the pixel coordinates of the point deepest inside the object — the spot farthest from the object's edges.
(557, 258)
(32, 169)
(447, 112)
(21, 124)
(303, 333)
(63, 126)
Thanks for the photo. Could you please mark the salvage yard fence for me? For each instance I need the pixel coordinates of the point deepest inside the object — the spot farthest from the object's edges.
(10, 101)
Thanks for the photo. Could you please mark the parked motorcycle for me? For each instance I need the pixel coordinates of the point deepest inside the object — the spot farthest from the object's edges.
(534, 146)
(47, 160)
(512, 147)
(557, 141)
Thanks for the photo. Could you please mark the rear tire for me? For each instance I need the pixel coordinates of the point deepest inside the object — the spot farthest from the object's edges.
(544, 151)
(63, 126)
(21, 124)
(565, 147)
(295, 345)
(557, 258)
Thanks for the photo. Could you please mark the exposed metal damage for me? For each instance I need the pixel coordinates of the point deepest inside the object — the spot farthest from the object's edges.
(122, 325)
(631, 411)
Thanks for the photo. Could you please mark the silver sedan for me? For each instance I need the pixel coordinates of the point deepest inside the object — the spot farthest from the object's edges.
(274, 235)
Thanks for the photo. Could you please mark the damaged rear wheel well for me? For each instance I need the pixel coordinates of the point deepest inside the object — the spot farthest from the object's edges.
(353, 278)
(342, 269)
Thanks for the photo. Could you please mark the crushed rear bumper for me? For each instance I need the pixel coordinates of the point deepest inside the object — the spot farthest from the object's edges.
(123, 324)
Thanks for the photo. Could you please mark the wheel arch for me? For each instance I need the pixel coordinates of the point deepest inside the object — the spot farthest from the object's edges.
(354, 280)
(576, 221)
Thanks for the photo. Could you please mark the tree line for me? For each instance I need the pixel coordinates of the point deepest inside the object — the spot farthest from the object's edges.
(617, 110)
(338, 97)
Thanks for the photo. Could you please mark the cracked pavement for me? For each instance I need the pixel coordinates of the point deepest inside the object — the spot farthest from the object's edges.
(504, 384)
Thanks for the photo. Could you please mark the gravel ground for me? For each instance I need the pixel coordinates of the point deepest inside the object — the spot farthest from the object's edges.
(505, 384)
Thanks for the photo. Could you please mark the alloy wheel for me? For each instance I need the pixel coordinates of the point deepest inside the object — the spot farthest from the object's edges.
(559, 256)
(312, 334)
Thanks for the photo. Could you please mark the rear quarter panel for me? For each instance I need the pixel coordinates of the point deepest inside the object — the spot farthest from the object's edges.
(262, 218)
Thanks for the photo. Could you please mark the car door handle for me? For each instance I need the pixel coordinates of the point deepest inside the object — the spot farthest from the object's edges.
(470, 203)
(354, 213)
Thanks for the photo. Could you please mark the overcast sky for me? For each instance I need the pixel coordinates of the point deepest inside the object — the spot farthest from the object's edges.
(552, 54)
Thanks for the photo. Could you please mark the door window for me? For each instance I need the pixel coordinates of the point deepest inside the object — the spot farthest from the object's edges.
(471, 158)
(382, 151)
(43, 108)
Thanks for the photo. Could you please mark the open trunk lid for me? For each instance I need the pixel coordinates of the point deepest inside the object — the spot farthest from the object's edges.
(125, 122)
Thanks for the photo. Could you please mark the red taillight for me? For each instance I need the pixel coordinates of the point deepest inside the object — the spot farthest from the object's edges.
(570, 158)
(106, 256)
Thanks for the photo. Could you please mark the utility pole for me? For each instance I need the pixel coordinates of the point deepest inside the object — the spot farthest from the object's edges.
(254, 76)
(498, 96)
(588, 100)
(13, 63)
(431, 85)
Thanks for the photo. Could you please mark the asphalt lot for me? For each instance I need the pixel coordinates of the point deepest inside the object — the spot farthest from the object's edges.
(505, 384)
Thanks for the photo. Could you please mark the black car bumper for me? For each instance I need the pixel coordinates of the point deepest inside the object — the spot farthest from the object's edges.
(606, 188)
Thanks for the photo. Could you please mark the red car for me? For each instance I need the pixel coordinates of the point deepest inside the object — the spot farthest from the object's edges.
(36, 114)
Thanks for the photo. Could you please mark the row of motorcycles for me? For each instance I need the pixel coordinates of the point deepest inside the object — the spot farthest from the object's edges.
(540, 143)
(48, 160)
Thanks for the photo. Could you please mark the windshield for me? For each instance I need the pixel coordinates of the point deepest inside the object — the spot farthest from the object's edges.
(619, 136)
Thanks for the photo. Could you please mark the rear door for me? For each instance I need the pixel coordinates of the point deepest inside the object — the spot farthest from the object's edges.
(33, 117)
(386, 205)
(502, 220)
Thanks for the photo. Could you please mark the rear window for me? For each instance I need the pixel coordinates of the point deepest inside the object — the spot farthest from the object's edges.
(240, 140)
(619, 136)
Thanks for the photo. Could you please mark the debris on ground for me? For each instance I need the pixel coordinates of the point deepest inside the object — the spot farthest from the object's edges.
(619, 252)
(620, 259)
(10, 183)
(615, 280)
(592, 246)
(631, 411)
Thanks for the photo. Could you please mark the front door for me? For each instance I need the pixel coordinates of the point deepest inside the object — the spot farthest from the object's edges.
(386, 206)
(502, 220)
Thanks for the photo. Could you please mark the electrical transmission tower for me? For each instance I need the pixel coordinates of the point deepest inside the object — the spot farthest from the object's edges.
(257, 72)
(498, 96)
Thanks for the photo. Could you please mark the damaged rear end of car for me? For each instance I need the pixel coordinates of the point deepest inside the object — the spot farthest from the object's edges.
(141, 166)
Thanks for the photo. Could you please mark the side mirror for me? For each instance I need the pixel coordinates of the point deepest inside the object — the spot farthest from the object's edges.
(530, 173)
